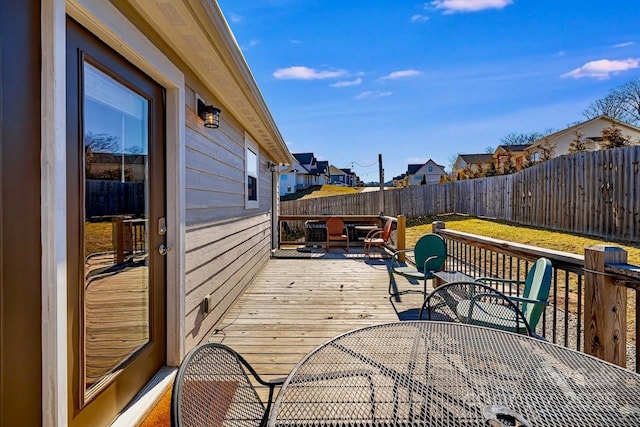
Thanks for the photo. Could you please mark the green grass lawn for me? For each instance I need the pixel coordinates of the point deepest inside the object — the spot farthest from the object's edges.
(559, 241)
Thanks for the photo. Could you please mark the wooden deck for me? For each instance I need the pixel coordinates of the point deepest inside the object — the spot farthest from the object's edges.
(295, 305)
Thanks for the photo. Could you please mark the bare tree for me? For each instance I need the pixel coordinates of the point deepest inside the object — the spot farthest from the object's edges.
(621, 103)
(101, 142)
(515, 138)
(631, 101)
(452, 161)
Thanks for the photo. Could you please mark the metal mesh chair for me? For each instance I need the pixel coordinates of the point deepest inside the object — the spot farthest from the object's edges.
(212, 388)
(474, 303)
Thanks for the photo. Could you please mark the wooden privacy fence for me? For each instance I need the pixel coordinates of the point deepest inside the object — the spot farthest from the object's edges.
(109, 198)
(595, 193)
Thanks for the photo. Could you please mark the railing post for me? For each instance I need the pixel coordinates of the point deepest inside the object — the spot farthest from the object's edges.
(401, 236)
(117, 238)
(436, 226)
(605, 306)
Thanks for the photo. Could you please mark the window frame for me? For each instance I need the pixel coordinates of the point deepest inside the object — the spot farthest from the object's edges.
(251, 145)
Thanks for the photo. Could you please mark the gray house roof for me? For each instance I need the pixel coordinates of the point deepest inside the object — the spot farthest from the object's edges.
(510, 148)
(322, 167)
(476, 158)
(412, 169)
(304, 158)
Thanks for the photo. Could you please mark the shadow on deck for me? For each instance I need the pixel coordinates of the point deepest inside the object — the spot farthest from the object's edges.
(295, 305)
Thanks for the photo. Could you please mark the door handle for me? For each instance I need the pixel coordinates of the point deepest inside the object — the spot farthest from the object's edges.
(162, 249)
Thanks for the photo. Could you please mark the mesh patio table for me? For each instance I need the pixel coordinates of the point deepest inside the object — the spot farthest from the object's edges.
(446, 374)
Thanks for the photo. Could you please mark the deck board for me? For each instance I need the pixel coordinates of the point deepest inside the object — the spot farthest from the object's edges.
(295, 305)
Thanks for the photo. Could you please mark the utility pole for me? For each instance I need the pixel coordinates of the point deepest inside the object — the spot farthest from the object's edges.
(381, 196)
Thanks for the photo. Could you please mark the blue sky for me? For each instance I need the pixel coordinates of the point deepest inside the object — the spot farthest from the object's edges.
(349, 79)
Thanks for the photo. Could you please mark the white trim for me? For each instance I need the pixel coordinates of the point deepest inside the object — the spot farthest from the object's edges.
(251, 144)
(53, 213)
(144, 403)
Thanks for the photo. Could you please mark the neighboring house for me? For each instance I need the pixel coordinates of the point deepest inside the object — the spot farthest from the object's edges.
(338, 176)
(322, 172)
(307, 163)
(471, 165)
(400, 180)
(429, 172)
(589, 132)
(288, 179)
(351, 179)
(308, 171)
(293, 178)
(96, 307)
(510, 158)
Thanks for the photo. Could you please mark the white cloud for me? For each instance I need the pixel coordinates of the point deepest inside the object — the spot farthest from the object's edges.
(236, 19)
(373, 94)
(401, 74)
(560, 53)
(252, 43)
(347, 83)
(305, 73)
(294, 41)
(419, 18)
(626, 44)
(453, 6)
(603, 68)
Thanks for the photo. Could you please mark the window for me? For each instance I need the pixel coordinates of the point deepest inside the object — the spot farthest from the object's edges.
(251, 172)
(430, 168)
(535, 157)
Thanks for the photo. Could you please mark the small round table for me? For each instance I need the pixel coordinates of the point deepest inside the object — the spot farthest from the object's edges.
(433, 373)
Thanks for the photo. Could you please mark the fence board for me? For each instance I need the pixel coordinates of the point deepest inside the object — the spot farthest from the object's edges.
(594, 193)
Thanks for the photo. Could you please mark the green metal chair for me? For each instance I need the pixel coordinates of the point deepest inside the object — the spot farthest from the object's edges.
(429, 254)
(534, 296)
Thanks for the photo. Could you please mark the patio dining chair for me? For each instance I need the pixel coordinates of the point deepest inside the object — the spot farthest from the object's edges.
(378, 237)
(534, 296)
(476, 304)
(429, 255)
(336, 231)
(212, 388)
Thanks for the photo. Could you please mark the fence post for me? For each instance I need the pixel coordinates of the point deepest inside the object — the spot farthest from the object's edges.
(605, 306)
(401, 236)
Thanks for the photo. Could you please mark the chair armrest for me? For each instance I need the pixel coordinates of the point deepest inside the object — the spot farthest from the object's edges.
(276, 381)
(431, 258)
(527, 300)
(497, 279)
(373, 232)
(401, 251)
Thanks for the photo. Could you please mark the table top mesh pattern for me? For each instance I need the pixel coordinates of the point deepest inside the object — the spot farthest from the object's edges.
(443, 374)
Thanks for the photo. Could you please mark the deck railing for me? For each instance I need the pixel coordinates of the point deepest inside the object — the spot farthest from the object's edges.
(589, 309)
(309, 230)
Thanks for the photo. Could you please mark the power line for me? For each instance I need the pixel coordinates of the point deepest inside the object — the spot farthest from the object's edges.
(362, 166)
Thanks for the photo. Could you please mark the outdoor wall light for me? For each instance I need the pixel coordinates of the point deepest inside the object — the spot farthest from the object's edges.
(210, 115)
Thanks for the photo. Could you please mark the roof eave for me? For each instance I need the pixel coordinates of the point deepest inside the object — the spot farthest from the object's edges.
(200, 35)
